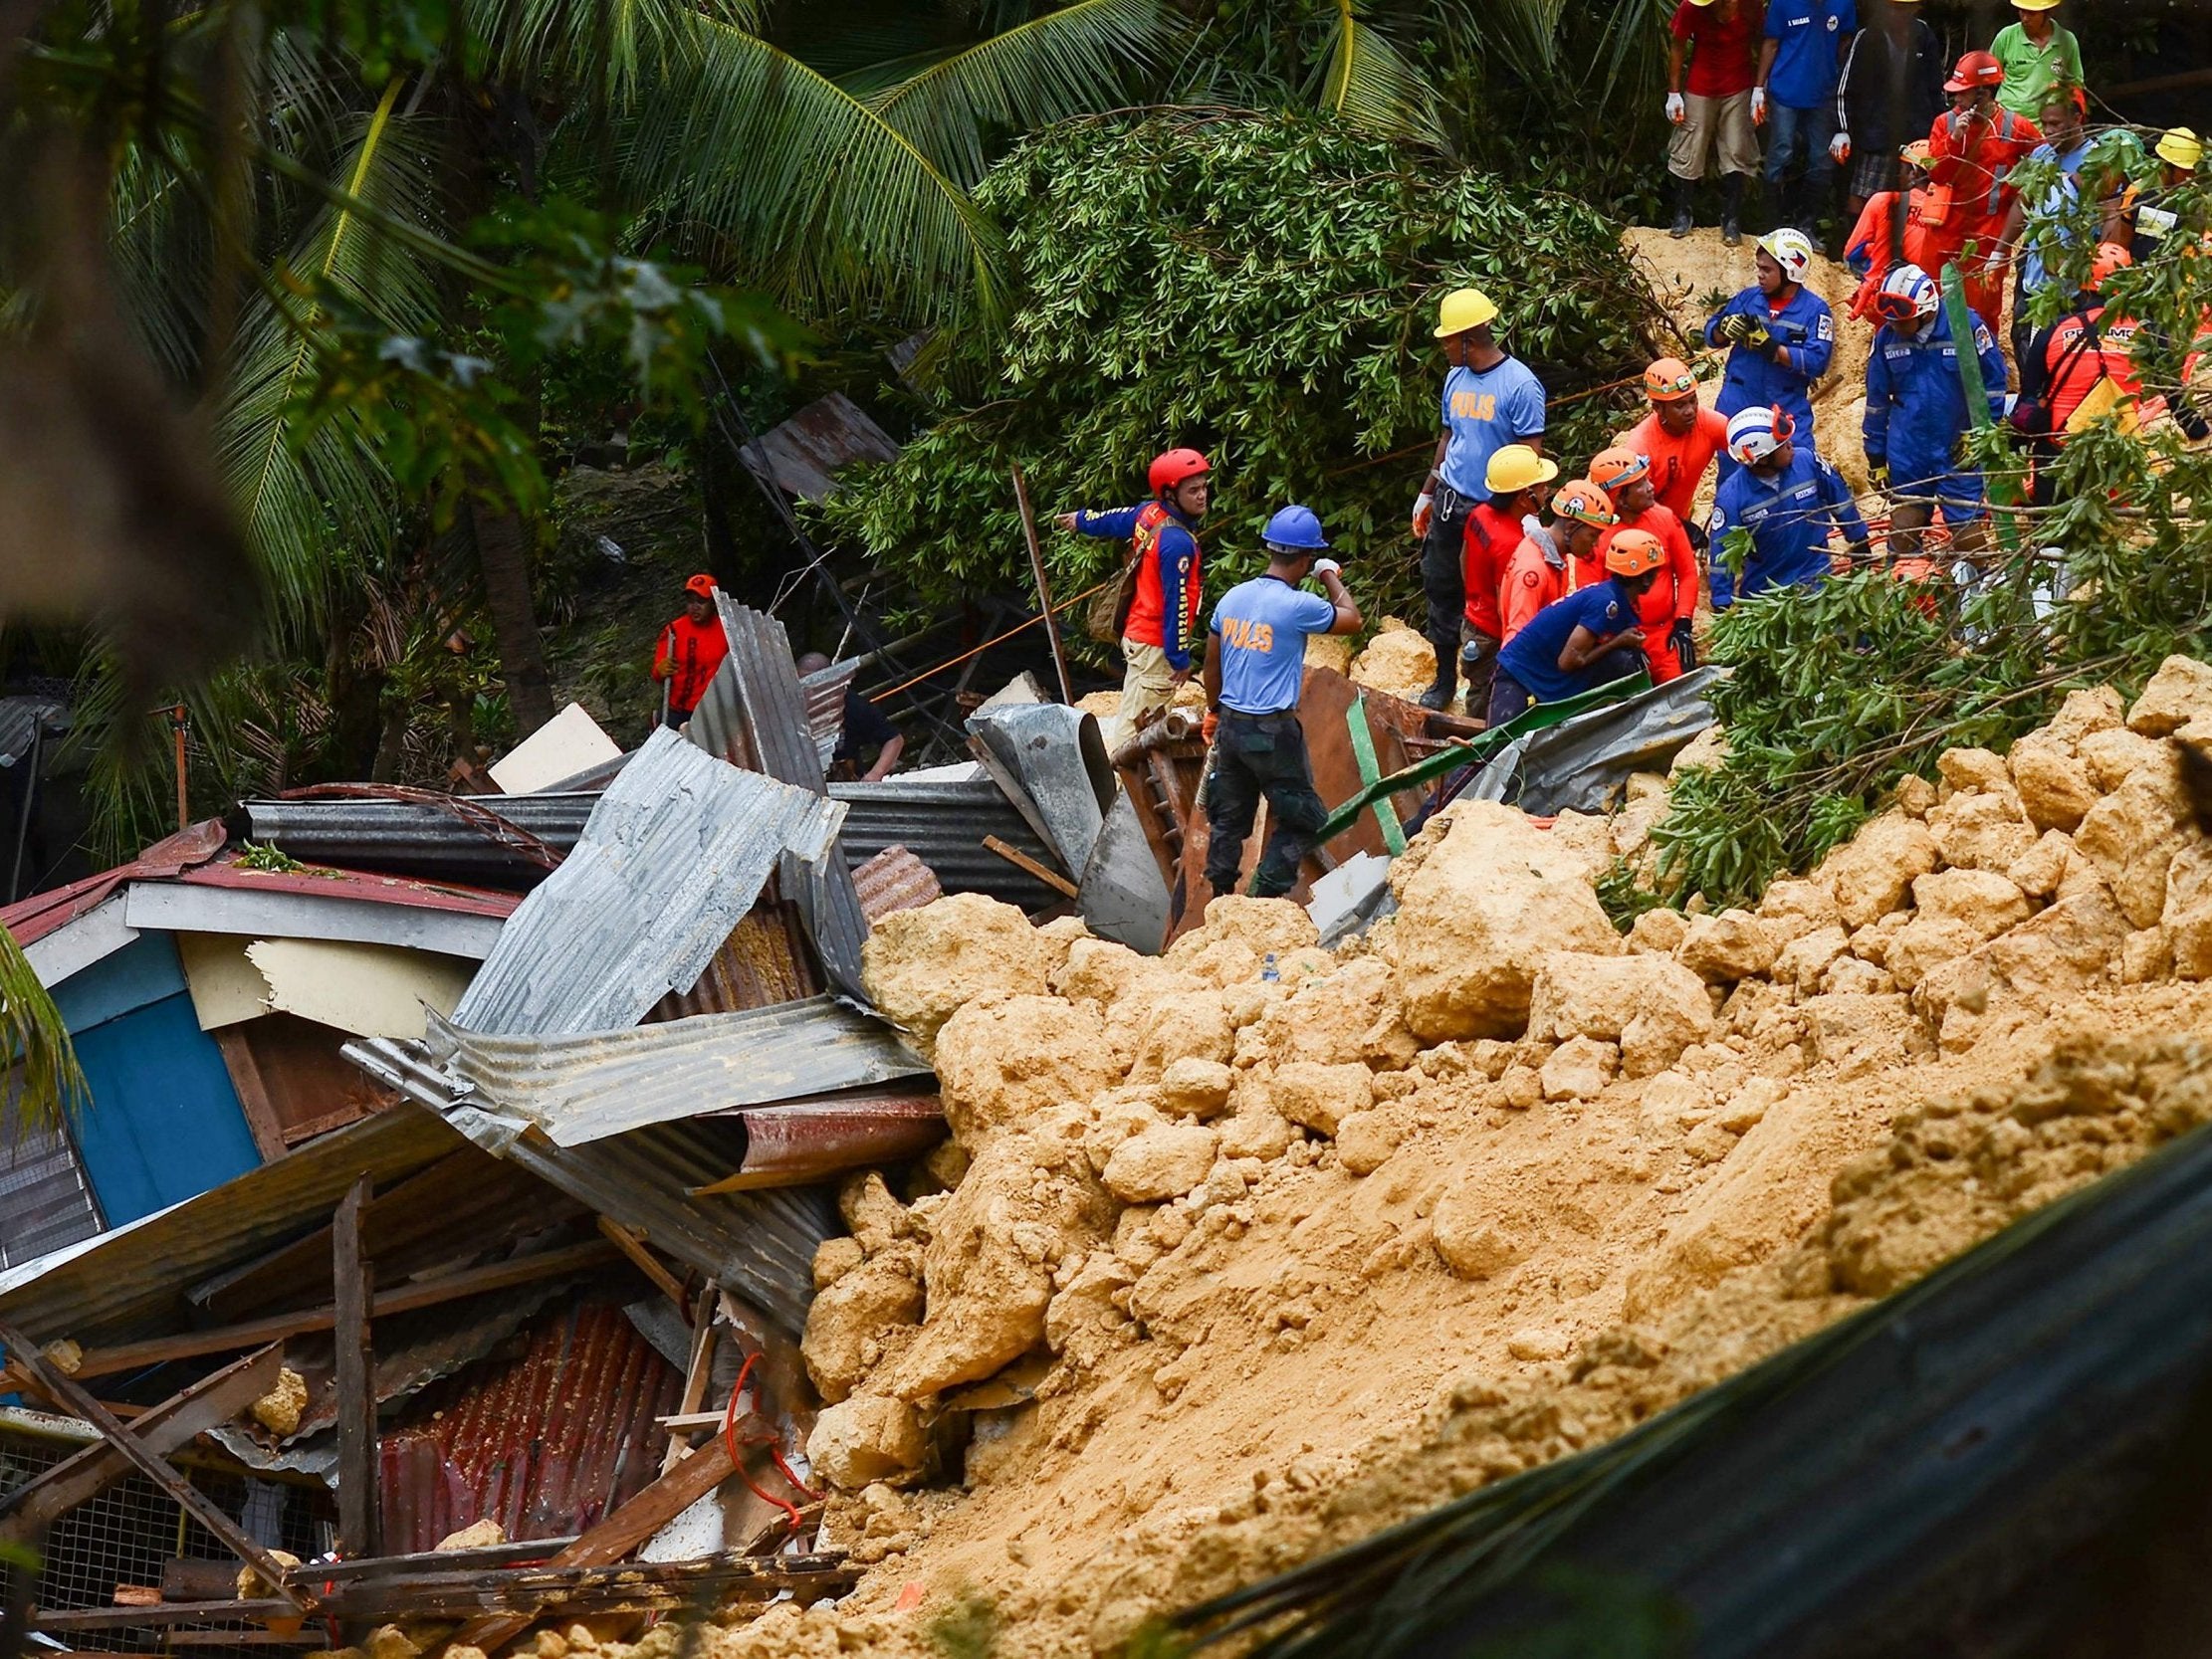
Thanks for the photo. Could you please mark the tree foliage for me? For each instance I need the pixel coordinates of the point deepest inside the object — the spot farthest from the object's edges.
(1263, 289)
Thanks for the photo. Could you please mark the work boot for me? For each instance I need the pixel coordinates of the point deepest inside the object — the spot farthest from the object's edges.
(1731, 209)
(1439, 694)
(1684, 189)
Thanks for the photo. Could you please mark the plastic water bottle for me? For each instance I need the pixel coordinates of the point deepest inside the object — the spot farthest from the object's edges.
(1268, 973)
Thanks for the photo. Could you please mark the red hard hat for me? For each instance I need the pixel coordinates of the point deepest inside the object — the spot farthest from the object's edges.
(1975, 71)
(1175, 467)
(701, 585)
(2111, 256)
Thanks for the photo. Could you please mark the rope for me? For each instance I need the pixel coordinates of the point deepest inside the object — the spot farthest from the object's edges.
(995, 639)
(776, 1453)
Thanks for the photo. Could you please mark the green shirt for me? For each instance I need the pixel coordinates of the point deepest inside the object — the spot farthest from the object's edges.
(2031, 71)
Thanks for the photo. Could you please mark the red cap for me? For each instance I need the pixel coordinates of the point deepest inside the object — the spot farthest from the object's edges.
(1975, 71)
(701, 585)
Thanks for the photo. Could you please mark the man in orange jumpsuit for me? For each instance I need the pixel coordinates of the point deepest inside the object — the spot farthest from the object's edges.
(1870, 251)
(1558, 555)
(1666, 608)
(691, 649)
(1679, 438)
(1972, 149)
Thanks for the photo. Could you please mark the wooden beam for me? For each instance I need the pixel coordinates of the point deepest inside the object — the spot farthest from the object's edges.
(696, 1373)
(405, 1299)
(253, 1092)
(534, 1591)
(1023, 861)
(165, 1428)
(352, 1284)
(522, 1551)
(622, 1532)
(167, 1612)
(633, 1246)
(156, 1469)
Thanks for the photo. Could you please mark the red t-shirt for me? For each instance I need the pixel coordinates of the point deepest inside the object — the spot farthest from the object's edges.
(699, 650)
(1724, 48)
(1490, 540)
(1678, 463)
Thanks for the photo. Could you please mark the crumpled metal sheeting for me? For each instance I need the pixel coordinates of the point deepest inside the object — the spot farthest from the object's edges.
(894, 880)
(581, 1090)
(1056, 755)
(418, 838)
(754, 712)
(1576, 766)
(831, 912)
(824, 691)
(942, 822)
(674, 854)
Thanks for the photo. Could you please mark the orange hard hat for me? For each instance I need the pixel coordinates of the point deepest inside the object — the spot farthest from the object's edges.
(1586, 503)
(2111, 256)
(1631, 553)
(1612, 468)
(701, 585)
(1975, 71)
(1176, 465)
(1669, 379)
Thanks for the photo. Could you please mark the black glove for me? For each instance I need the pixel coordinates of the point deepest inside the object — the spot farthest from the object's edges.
(1697, 536)
(1684, 644)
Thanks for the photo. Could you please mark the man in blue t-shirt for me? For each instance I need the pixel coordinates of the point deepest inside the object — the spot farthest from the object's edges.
(1490, 400)
(1578, 643)
(1795, 98)
(1254, 676)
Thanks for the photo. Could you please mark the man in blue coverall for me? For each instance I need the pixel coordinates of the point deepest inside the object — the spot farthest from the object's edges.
(1916, 416)
(1781, 333)
(1253, 677)
(1787, 498)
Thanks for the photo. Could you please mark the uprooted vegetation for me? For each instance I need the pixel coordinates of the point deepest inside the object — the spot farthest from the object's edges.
(1218, 1273)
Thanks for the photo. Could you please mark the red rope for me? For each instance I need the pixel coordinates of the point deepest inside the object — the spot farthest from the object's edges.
(775, 1452)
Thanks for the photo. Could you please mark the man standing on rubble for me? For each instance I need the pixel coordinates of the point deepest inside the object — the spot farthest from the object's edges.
(1254, 676)
(691, 650)
(1679, 437)
(1786, 497)
(1163, 602)
(1490, 400)
(1973, 149)
(1916, 416)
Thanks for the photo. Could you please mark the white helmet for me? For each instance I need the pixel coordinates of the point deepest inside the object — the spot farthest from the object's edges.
(1755, 434)
(1791, 248)
(1907, 291)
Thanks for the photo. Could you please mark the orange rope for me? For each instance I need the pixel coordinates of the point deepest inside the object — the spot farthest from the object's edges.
(995, 639)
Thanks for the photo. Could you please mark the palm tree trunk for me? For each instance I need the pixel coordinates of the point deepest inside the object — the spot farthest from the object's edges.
(503, 557)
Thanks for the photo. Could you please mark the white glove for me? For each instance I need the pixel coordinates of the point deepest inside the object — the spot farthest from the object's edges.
(1677, 110)
(1424, 508)
(1839, 147)
(1758, 105)
(2012, 402)
(1327, 568)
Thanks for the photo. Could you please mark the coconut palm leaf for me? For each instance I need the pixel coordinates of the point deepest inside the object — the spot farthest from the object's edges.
(1069, 61)
(1372, 86)
(48, 1085)
(808, 192)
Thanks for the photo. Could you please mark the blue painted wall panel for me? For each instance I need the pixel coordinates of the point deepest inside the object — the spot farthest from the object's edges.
(142, 971)
(165, 1122)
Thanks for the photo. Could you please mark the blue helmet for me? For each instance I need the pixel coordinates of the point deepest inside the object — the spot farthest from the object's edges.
(1296, 529)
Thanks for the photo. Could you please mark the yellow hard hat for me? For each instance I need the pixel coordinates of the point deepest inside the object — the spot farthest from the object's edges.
(1463, 308)
(2035, 5)
(2181, 148)
(1516, 466)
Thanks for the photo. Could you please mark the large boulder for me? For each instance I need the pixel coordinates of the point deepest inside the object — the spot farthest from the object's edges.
(1321, 1097)
(1652, 1006)
(1164, 1162)
(920, 965)
(2178, 693)
(2130, 835)
(868, 1437)
(1003, 1061)
(846, 1324)
(1720, 950)
(1357, 1013)
(1982, 829)
(2055, 783)
(1871, 873)
(1487, 900)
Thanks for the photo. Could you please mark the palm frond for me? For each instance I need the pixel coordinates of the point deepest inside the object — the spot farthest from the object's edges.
(610, 50)
(49, 1086)
(1372, 86)
(808, 192)
(1069, 61)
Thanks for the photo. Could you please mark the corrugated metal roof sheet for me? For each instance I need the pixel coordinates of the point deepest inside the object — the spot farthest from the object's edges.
(419, 838)
(826, 691)
(802, 456)
(674, 854)
(764, 961)
(133, 1280)
(754, 713)
(810, 1140)
(829, 909)
(41, 914)
(943, 823)
(23, 719)
(894, 880)
(760, 1244)
(581, 1090)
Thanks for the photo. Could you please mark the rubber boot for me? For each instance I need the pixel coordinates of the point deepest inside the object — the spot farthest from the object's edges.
(1731, 209)
(1447, 687)
(1684, 188)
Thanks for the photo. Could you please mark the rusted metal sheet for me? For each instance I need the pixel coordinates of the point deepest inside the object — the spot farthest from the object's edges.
(809, 1140)
(547, 1444)
(31, 920)
(826, 691)
(895, 880)
(803, 455)
(764, 961)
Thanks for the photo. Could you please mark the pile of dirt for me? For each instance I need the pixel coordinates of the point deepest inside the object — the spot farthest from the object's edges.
(1221, 1272)
(1398, 660)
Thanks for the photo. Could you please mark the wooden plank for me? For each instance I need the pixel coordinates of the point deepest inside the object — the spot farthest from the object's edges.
(623, 1531)
(633, 1246)
(150, 1464)
(521, 1551)
(533, 1592)
(167, 1612)
(498, 1276)
(352, 1283)
(1023, 861)
(253, 1093)
(162, 1429)
(696, 1373)
(194, 1580)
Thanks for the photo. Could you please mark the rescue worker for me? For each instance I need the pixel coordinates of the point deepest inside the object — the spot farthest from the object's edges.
(1787, 498)
(2066, 361)
(1160, 627)
(1557, 555)
(1711, 111)
(1916, 415)
(1253, 677)
(1665, 610)
(1890, 90)
(1495, 529)
(862, 728)
(2035, 55)
(2039, 234)
(1780, 332)
(1795, 101)
(2150, 223)
(1580, 642)
(691, 649)
(1679, 437)
(1490, 399)
(1871, 248)
(1974, 146)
